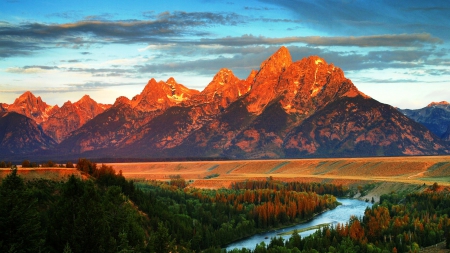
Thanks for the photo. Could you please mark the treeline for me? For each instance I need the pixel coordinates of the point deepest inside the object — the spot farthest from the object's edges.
(398, 224)
(319, 188)
(4, 164)
(209, 219)
(72, 216)
(107, 213)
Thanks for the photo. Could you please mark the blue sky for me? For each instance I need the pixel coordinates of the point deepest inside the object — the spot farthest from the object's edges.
(397, 52)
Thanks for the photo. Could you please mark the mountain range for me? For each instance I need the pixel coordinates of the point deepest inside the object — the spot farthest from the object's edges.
(286, 109)
(435, 116)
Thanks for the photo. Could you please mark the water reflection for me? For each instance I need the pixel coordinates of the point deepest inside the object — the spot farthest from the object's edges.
(341, 214)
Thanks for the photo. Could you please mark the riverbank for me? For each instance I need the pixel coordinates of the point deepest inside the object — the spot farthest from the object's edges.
(340, 214)
(260, 232)
(304, 229)
(382, 188)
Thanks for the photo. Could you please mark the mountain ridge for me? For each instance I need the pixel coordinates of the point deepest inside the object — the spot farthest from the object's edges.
(304, 108)
(435, 116)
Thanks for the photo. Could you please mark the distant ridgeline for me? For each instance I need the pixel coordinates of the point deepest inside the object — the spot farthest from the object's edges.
(286, 109)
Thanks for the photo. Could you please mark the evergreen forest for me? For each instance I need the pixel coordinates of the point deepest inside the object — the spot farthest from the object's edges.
(107, 213)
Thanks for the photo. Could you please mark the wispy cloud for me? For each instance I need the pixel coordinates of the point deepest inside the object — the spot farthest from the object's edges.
(388, 80)
(370, 17)
(164, 27)
(70, 87)
(103, 16)
(258, 8)
(387, 40)
(70, 15)
(10, 47)
(29, 69)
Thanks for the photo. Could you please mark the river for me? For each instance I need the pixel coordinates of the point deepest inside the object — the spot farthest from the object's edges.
(340, 214)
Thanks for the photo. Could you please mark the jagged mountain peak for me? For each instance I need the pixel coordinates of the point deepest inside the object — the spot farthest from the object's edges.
(315, 59)
(435, 116)
(3, 107)
(171, 81)
(86, 99)
(443, 104)
(224, 89)
(161, 95)
(264, 85)
(122, 100)
(305, 85)
(275, 64)
(67, 103)
(28, 97)
(302, 108)
(251, 76)
(71, 116)
(224, 77)
(33, 107)
(281, 58)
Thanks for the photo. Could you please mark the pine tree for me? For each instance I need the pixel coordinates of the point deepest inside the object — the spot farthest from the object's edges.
(20, 226)
(163, 242)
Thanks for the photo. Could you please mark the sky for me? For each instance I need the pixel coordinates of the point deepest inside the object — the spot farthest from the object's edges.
(397, 52)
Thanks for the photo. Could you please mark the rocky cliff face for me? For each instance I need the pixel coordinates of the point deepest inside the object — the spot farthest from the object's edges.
(170, 129)
(121, 124)
(436, 117)
(71, 116)
(3, 107)
(446, 135)
(158, 96)
(361, 126)
(273, 119)
(21, 135)
(32, 107)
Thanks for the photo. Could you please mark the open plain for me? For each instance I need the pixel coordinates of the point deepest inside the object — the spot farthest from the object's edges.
(217, 174)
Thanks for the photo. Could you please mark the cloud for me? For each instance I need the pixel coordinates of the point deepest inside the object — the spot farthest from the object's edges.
(206, 67)
(29, 69)
(370, 17)
(387, 80)
(103, 16)
(162, 28)
(95, 72)
(149, 14)
(387, 40)
(156, 47)
(438, 72)
(71, 87)
(258, 8)
(72, 15)
(92, 85)
(127, 61)
(242, 59)
(10, 48)
(102, 72)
